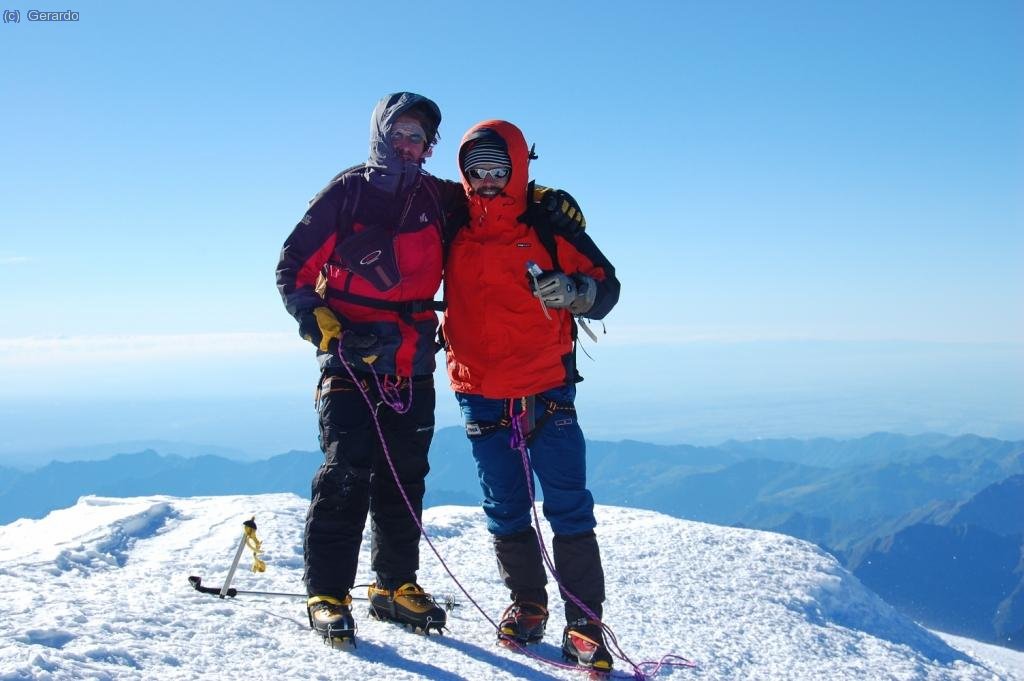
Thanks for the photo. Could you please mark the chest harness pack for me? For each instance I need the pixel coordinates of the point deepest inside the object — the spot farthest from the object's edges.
(370, 253)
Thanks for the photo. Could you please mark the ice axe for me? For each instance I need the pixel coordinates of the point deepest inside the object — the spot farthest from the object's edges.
(448, 601)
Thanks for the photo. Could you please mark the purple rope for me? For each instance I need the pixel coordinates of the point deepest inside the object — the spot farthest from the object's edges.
(388, 391)
(398, 481)
(408, 504)
(423, 532)
(518, 441)
(390, 395)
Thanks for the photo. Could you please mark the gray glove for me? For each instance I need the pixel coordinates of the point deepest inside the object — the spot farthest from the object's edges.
(555, 289)
(586, 294)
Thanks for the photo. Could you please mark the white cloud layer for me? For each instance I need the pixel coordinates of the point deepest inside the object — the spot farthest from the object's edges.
(130, 348)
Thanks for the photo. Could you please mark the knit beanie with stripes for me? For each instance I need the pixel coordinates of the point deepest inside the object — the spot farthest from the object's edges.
(489, 149)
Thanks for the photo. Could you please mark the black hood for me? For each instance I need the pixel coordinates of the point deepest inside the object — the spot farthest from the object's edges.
(385, 169)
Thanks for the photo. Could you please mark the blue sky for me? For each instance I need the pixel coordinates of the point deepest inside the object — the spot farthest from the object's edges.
(767, 178)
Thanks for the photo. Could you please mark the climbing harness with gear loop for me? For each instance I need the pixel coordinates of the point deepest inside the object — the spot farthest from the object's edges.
(527, 410)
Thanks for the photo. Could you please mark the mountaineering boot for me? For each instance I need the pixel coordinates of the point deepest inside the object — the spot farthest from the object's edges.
(332, 618)
(523, 622)
(583, 644)
(408, 604)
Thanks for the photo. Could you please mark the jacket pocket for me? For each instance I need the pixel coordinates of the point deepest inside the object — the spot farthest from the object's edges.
(370, 254)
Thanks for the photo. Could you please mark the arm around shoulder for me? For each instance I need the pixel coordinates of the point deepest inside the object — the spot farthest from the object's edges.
(597, 269)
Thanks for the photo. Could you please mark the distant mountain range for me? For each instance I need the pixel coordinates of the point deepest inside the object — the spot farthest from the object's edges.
(961, 569)
(931, 522)
(27, 460)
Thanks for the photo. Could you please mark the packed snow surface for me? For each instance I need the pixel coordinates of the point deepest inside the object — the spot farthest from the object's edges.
(100, 591)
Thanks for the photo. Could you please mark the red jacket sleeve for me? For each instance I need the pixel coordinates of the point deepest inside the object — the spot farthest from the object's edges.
(303, 256)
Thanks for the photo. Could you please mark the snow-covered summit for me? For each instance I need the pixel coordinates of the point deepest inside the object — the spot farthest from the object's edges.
(100, 591)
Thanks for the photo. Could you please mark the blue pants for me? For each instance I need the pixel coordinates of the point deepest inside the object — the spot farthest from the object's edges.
(558, 458)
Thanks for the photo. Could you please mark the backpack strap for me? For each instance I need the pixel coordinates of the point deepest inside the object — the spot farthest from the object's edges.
(545, 233)
(435, 196)
(351, 201)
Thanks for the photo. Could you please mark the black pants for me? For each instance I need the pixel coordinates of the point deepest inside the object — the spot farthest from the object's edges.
(355, 479)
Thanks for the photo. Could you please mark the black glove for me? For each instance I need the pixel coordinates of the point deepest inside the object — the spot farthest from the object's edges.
(556, 209)
(360, 348)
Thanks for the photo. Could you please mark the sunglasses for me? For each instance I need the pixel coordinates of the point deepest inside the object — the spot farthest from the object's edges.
(498, 173)
(414, 138)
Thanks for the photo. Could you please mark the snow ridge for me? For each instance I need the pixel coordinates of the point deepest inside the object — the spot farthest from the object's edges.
(111, 549)
(100, 591)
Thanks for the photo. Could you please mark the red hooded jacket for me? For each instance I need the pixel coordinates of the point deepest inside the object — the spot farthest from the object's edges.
(500, 344)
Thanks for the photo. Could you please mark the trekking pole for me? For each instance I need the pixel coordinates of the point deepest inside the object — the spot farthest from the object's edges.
(248, 538)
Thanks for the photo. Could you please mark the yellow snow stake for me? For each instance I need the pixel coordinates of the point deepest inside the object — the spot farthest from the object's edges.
(248, 539)
(253, 542)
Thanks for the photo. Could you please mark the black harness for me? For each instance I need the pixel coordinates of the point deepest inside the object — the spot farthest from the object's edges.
(478, 429)
(346, 216)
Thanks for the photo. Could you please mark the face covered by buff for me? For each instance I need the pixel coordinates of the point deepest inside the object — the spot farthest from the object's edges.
(409, 139)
